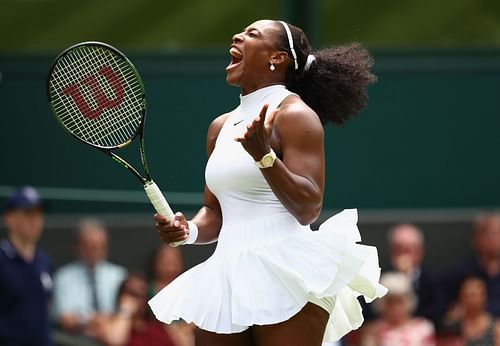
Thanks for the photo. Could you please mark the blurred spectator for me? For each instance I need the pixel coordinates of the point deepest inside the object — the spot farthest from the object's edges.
(131, 324)
(166, 265)
(25, 273)
(86, 288)
(485, 263)
(406, 243)
(396, 326)
(470, 319)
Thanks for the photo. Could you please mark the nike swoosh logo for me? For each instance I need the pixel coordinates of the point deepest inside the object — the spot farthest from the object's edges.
(236, 123)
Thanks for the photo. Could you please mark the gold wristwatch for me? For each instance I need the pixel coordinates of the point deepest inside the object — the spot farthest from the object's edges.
(267, 160)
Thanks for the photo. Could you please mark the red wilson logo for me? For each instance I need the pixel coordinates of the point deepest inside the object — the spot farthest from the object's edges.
(102, 100)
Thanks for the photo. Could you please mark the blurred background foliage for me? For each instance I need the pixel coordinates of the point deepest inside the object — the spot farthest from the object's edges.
(48, 25)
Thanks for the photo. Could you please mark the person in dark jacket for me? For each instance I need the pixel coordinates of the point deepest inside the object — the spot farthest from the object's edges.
(25, 273)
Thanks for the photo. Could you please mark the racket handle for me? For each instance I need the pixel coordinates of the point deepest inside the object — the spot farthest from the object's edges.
(158, 200)
(160, 203)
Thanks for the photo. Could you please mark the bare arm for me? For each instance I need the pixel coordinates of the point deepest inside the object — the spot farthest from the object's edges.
(112, 330)
(298, 178)
(209, 217)
(115, 329)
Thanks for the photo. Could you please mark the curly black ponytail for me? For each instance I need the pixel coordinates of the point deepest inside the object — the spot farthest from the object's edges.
(335, 84)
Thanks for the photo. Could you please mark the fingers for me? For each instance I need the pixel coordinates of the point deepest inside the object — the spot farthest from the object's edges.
(249, 132)
(173, 235)
(174, 231)
(179, 219)
(263, 112)
(170, 238)
(161, 219)
(270, 118)
(256, 125)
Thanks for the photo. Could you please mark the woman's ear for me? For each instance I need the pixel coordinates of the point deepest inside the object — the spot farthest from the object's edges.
(278, 58)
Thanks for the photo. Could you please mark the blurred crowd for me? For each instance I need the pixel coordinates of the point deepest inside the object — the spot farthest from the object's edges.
(92, 301)
(87, 302)
(460, 306)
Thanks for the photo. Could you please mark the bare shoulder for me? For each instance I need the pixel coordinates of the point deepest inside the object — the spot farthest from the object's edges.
(296, 119)
(213, 131)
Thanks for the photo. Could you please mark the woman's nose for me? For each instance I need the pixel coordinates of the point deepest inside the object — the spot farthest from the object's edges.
(238, 38)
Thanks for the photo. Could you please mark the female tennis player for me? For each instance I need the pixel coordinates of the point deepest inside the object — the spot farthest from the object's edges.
(271, 280)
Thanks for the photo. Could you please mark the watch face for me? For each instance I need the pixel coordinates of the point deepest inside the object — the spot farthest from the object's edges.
(268, 161)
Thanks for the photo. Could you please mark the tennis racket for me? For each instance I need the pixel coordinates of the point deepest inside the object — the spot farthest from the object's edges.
(98, 96)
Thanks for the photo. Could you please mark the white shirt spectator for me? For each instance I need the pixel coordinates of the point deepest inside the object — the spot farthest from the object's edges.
(73, 291)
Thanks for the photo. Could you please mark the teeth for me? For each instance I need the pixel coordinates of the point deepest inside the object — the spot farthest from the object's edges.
(235, 52)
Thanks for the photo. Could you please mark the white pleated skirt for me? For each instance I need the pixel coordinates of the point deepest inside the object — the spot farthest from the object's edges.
(265, 271)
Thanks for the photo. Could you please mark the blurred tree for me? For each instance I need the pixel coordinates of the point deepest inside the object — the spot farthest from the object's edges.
(199, 24)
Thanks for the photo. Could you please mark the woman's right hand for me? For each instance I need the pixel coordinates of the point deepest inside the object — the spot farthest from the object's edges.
(172, 231)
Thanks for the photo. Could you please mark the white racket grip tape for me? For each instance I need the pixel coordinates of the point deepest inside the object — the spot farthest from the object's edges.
(158, 200)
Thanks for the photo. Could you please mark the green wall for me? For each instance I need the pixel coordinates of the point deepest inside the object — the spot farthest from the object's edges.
(429, 138)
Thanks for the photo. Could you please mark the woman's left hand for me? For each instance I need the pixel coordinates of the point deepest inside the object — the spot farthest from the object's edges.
(257, 138)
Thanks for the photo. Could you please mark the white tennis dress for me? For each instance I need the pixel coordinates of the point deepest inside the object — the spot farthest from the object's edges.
(267, 266)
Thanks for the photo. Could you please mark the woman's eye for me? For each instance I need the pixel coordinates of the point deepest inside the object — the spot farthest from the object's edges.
(252, 34)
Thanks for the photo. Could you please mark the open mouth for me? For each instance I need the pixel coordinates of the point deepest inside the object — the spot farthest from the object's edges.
(236, 58)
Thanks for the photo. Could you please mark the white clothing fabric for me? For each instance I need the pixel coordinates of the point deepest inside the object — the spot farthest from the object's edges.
(231, 173)
(333, 343)
(267, 266)
(72, 292)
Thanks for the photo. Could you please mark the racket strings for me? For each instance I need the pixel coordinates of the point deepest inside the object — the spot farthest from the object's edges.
(64, 110)
(92, 136)
(119, 129)
(69, 74)
(97, 95)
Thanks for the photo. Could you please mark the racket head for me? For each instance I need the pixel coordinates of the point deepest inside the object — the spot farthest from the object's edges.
(97, 95)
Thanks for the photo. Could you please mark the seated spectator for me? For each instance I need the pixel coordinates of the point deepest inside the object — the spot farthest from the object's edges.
(484, 263)
(396, 326)
(86, 288)
(166, 265)
(469, 318)
(131, 324)
(406, 243)
(25, 273)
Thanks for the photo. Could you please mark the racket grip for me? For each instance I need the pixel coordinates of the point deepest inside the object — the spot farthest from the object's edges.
(158, 200)
(160, 203)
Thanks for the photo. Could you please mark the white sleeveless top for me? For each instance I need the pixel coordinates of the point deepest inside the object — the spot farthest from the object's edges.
(231, 173)
(267, 266)
(239, 185)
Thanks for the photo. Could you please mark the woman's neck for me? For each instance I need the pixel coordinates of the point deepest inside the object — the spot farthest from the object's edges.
(474, 315)
(245, 90)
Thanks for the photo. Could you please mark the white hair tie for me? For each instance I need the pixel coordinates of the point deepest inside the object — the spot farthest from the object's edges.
(310, 59)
